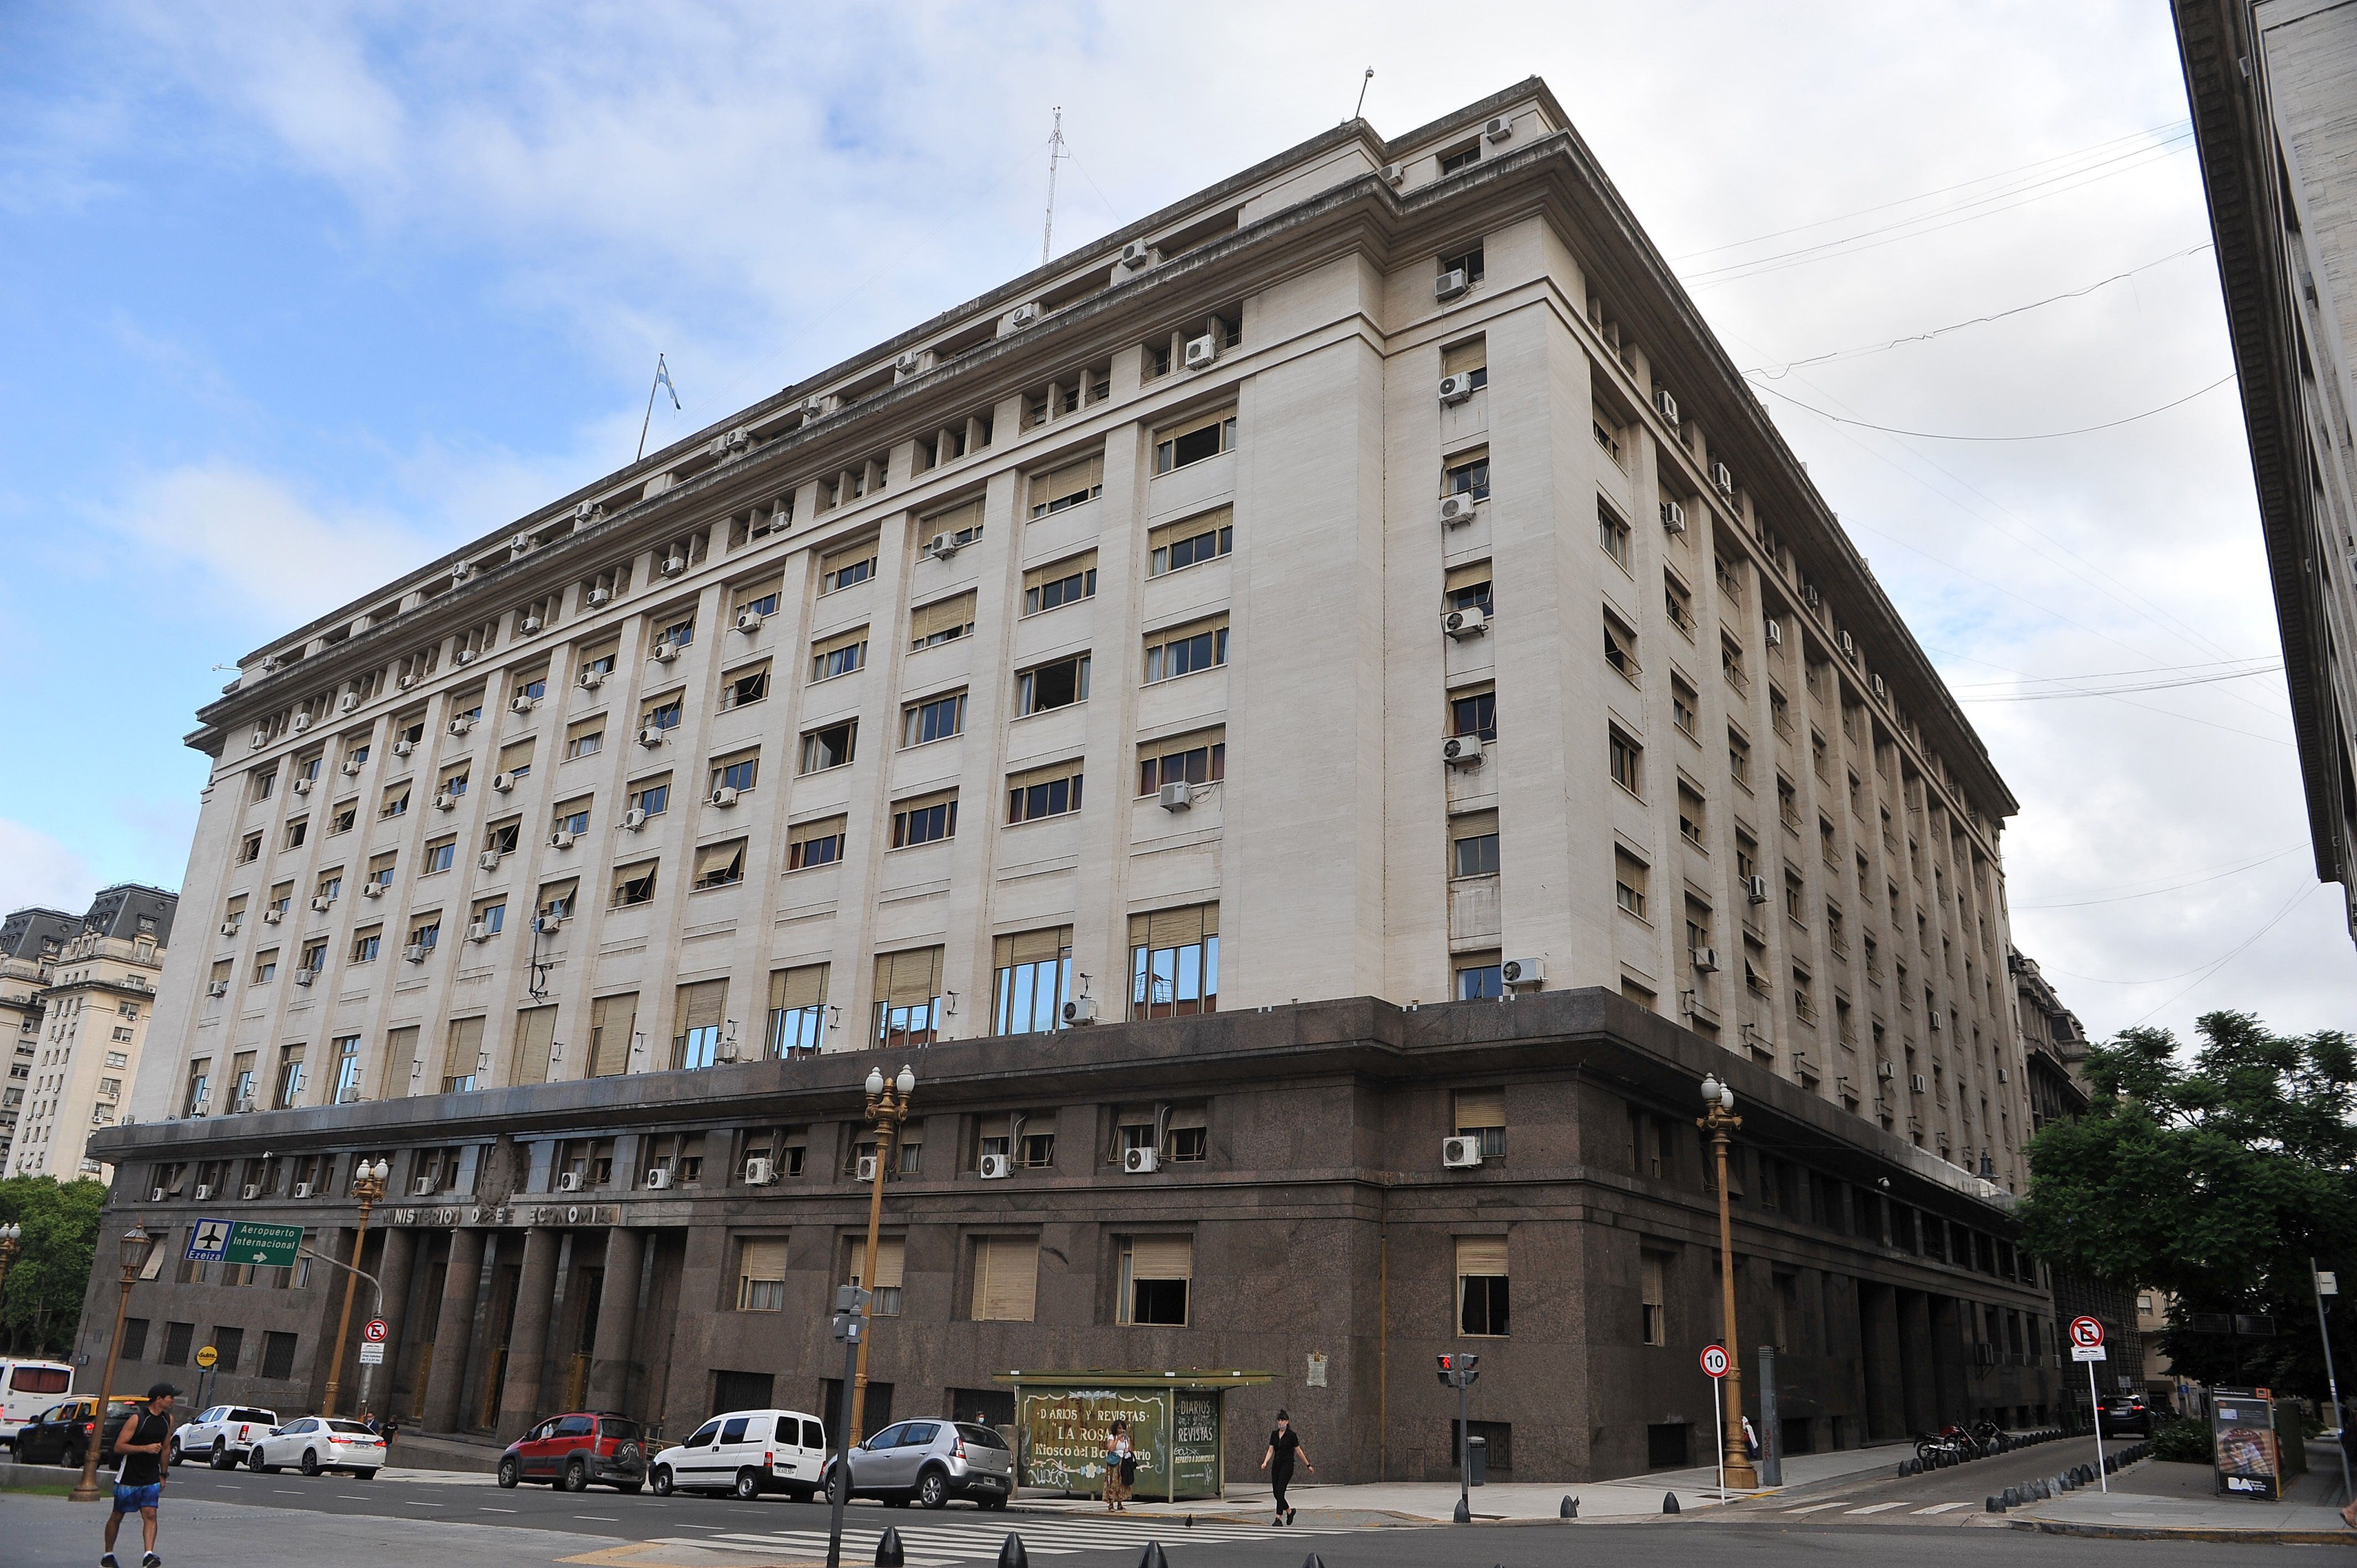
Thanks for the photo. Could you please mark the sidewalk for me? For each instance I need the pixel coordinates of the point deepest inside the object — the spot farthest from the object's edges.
(2158, 1500)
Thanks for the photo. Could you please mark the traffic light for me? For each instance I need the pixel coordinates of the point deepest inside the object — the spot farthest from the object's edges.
(1459, 1371)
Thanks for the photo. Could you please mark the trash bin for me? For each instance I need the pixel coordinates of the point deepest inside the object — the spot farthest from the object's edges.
(1476, 1460)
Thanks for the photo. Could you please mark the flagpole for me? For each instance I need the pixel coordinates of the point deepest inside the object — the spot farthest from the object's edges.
(645, 424)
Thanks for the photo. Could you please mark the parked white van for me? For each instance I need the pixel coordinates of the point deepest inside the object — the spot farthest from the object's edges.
(26, 1389)
(747, 1452)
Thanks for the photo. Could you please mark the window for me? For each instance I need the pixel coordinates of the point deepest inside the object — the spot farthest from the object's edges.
(515, 761)
(249, 850)
(814, 844)
(265, 779)
(1481, 1300)
(651, 796)
(266, 967)
(720, 865)
(737, 773)
(599, 661)
(1155, 1273)
(1469, 359)
(703, 1009)
(1684, 706)
(1466, 476)
(943, 620)
(425, 931)
(1620, 646)
(1613, 533)
(1627, 759)
(499, 838)
(1473, 844)
(761, 1275)
(1185, 650)
(1630, 876)
(634, 885)
(847, 567)
(1198, 759)
(1739, 757)
(829, 746)
(585, 737)
(277, 1356)
(1690, 815)
(838, 655)
(1474, 712)
(439, 856)
(454, 781)
(1206, 435)
(1481, 1114)
(741, 688)
(1044, 793)
(462, 1060)
(797, 1010)
(1056, 685)
(935, 718)
(889, 1262)
(340, 821)
(662, 713)
(314, 959)
(571, 817)
(1468, 586)
(300, 827)
(1032, 980)
(907, 996)
(961, 525)
(1068, 486)
(1679, 603)
(1175, 546)
(1468, 262)
(1653, 1291)
(1006, 1279)
(927, 820)
(366, 943)
(1730, 664)
(1174, 961)
(1063, 583)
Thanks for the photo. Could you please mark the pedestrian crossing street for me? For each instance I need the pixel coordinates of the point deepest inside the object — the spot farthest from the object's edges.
(936, 1543)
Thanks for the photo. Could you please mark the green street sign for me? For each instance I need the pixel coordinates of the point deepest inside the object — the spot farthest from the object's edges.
(265, 1246)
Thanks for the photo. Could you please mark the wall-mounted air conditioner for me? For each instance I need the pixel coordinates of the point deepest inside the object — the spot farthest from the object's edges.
(371, 890)
(560, 839)
(650, 736)
(1450, 283)
(302, 786)
(1706, 960)
(422, 1187)
(351, 768)
(748, 622)
(503, 782)
(1722, 478)
(1140, 1161)
(444, 801)
(416, 952)
(568, 1181)
(1179, 796)
(995, 1167)
(529, 626)
(724, 796)
(488, 860)
(1021, 316)
(1460, 1154)
(1138, 253)
(404, 748)
(520, 704)
(252, 1190)
(217, 988)
(759, 1172)
(1457, 510)
(1775, 631)
(1202, 352)
(1756, 889)
(1471, 621)
(866, 1167)
(1080, 1010)
(663, 652)
(302, 1190)
(633, 820)
(319, 903)
(1498, 129)
(348, 703)
(272, 917)
(658, 1178)
(305, 976)
(1462, 751)
(302, 722)
(461, 724)
(600, 598)
(1674, 517)
(204, 1191)
(479, 932)
(1915, 1081)
(1523, 972)
(1665, 404)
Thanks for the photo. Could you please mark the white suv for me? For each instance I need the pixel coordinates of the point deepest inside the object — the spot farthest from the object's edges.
(747, 1452)
(221, 1435)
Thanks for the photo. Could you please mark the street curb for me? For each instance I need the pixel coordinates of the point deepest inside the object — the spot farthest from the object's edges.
(2186, 1532)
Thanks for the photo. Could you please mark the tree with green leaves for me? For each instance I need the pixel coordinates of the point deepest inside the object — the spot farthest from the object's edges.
(40, 1305)
(2213, 1173)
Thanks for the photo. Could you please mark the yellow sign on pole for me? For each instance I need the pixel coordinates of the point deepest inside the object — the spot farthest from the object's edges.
(206, 1357)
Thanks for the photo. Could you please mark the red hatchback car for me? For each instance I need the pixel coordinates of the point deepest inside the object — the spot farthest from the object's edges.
(572, 1451)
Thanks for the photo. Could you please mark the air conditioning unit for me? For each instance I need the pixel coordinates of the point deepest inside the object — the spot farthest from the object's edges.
(1450, 283)
(305, 976)
(528, 625)
(748, 622)
(1722, 478)
(272, 917)
(204, 1191)
(371, 890)
(1462, 751)
(2000, 1075)
(1021, 316)
(1915, 1081)
(1456, 388)
(724, 796)
(1471, 621)
(866, 1167)
(302, 786)
(1177, 797)
(404, 683)
(1523, 972)
(1811, 597)
(650, 736)
(1881, 691)
(302, 722)
(1665, 404)
(461, 724)
(253, 1191)
(422, 1187)
(815, 408)
(1756, 889)
(737, 440)
(414, 952)
(444, 801)
(1140, 1161)
(1080, 1010)
(156, 1195)
(592, 679)
(503, 782)
(1203, 351)
(941, 546)
(1775, 631)
(1885, 1071)
(582, 512)
(217, 988)
(1138, 253)
(1849, 647)
(674, 566)
(521, 544)
(479, 932)
(1498, 130)
(229, 928)
(488, 860)
(465, 656)
(759, 1172)
(658, 1178)
(520, 704)
(257, 741)
(633, 820)
(1460, 1154)
(1706, 960)
(404, 748)
(351, 767)
(461, 571)
(912, 363)
(600, 598)
(1395, 173)
(568, 1181)
(1458, 509)
(1933, 1021)
(548, 925)
(302, 1190)
(319, 903)
(1674, 517)
(663, 652)
(348, 703)
(560, 839)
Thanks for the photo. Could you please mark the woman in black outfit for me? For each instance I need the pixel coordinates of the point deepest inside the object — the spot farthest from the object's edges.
(1284, 1446)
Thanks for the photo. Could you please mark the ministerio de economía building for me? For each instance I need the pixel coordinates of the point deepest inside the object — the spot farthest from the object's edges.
(1311, 723)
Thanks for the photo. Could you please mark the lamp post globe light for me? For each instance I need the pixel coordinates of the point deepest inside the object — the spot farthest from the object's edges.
(12, 1238)
(132, 1250)
(369, 1186)
(1718, 1119)
(887, 1107)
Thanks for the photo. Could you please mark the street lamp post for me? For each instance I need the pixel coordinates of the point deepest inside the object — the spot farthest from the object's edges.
(12, 1238)
(887, 1107)
(133, 1253)
(368, 1186)
(1719, 1120)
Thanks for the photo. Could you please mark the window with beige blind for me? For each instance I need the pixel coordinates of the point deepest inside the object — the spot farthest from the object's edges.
(1468, 586)
(556, 899)
(761, 597)
(907, 996)
(1176, 546)
(719, 866)
(745, 685)
(613, 1025)
(1049, 791)
(1032, 980)
(634, 885)
(814, 844)
(1471, 358)
(1482, 1304)
(1482, 1113)
(515, 761)
(1006, 1278)
(1653, 1294)
(846, 567)
(1068, 486)
(535, 1043)
(943, 620)
(960, 524)
(797, 1010)
(1156, 1272)
(761, 1275)
(1185, 650)
(463, 1058)
(1194, 440)
(928, 819)
(838, 655)
(703, 1008)
(1059, 582)
(1174, 961)
(584, 738)
(890, 1257)
(1200, 757)
(403, 1057)
(930, 719)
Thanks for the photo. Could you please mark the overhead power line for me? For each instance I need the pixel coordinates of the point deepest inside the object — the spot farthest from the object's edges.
(2156, 892)
(2116, 691)
(2040, 435)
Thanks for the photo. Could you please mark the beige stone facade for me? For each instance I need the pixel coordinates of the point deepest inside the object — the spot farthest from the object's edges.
(1086, 647)
(77, 1000)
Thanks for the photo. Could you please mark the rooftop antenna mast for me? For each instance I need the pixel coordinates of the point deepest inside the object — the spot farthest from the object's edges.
(1055, 150)
(1363, 92)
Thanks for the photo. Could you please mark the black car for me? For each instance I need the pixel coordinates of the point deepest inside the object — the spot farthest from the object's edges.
(2127, 1412)
(60, 1435)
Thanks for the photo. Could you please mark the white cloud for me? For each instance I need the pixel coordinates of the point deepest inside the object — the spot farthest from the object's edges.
(37, 869)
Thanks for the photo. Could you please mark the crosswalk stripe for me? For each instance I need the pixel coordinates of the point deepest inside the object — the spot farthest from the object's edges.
(1942, 1507)
(1814, 1507)
(1877, 1507)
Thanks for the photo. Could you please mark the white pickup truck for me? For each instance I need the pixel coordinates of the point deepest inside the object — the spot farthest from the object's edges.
(221, 1435)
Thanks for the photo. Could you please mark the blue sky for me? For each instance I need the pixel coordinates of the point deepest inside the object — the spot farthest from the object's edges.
(297, 296)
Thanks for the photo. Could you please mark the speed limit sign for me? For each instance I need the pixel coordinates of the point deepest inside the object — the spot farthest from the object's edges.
(2086, 1333)
(1714, 1360)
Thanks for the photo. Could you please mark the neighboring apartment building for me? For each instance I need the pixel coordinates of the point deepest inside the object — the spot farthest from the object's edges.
(2269, 87)
(1440, 620)
(80, 1022)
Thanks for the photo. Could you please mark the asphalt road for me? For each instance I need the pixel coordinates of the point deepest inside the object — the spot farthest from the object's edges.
(1948, 1496)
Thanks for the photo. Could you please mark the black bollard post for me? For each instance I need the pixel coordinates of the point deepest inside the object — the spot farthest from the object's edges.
(1463, 1515)
(1568, 1509)
(1312, 1560)
(888, 1553)
(1670, 1502)
(1011, 1554)
(1152, 1556)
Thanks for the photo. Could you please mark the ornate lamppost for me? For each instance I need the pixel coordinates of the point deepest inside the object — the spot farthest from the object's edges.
(12, 1239)
(368, 1186)
(1719, 1120)
(133, 1253)
(887, 1107)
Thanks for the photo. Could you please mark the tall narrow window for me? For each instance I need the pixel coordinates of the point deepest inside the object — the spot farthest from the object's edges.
(1174, 961)
(1006, 1279)
(1482, 1297)
(796, 1011)
(703, 1009)
(1156, 1274)
(908, 997)
(1654, 1289)
(1194, 440)
(1032, 980)
(761, 1275)
(890, 1259)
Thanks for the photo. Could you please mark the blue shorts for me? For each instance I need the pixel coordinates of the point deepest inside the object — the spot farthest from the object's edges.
(131, 1499)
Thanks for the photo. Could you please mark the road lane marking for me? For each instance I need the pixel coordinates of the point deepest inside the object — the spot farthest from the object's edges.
(1944, 1508)
(1813, 1508)
(601, 1518)
(1877, 1507)
(488, 1508)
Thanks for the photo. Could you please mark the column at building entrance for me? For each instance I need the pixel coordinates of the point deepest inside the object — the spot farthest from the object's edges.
(519, 1398)
(399, 1259)
(454, 1328)
(618, 1312)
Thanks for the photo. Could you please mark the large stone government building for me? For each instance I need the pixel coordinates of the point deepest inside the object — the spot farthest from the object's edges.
(1493, 733)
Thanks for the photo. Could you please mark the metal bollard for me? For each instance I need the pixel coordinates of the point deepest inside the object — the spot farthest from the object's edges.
(888, 1553)
(1011, 1554)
